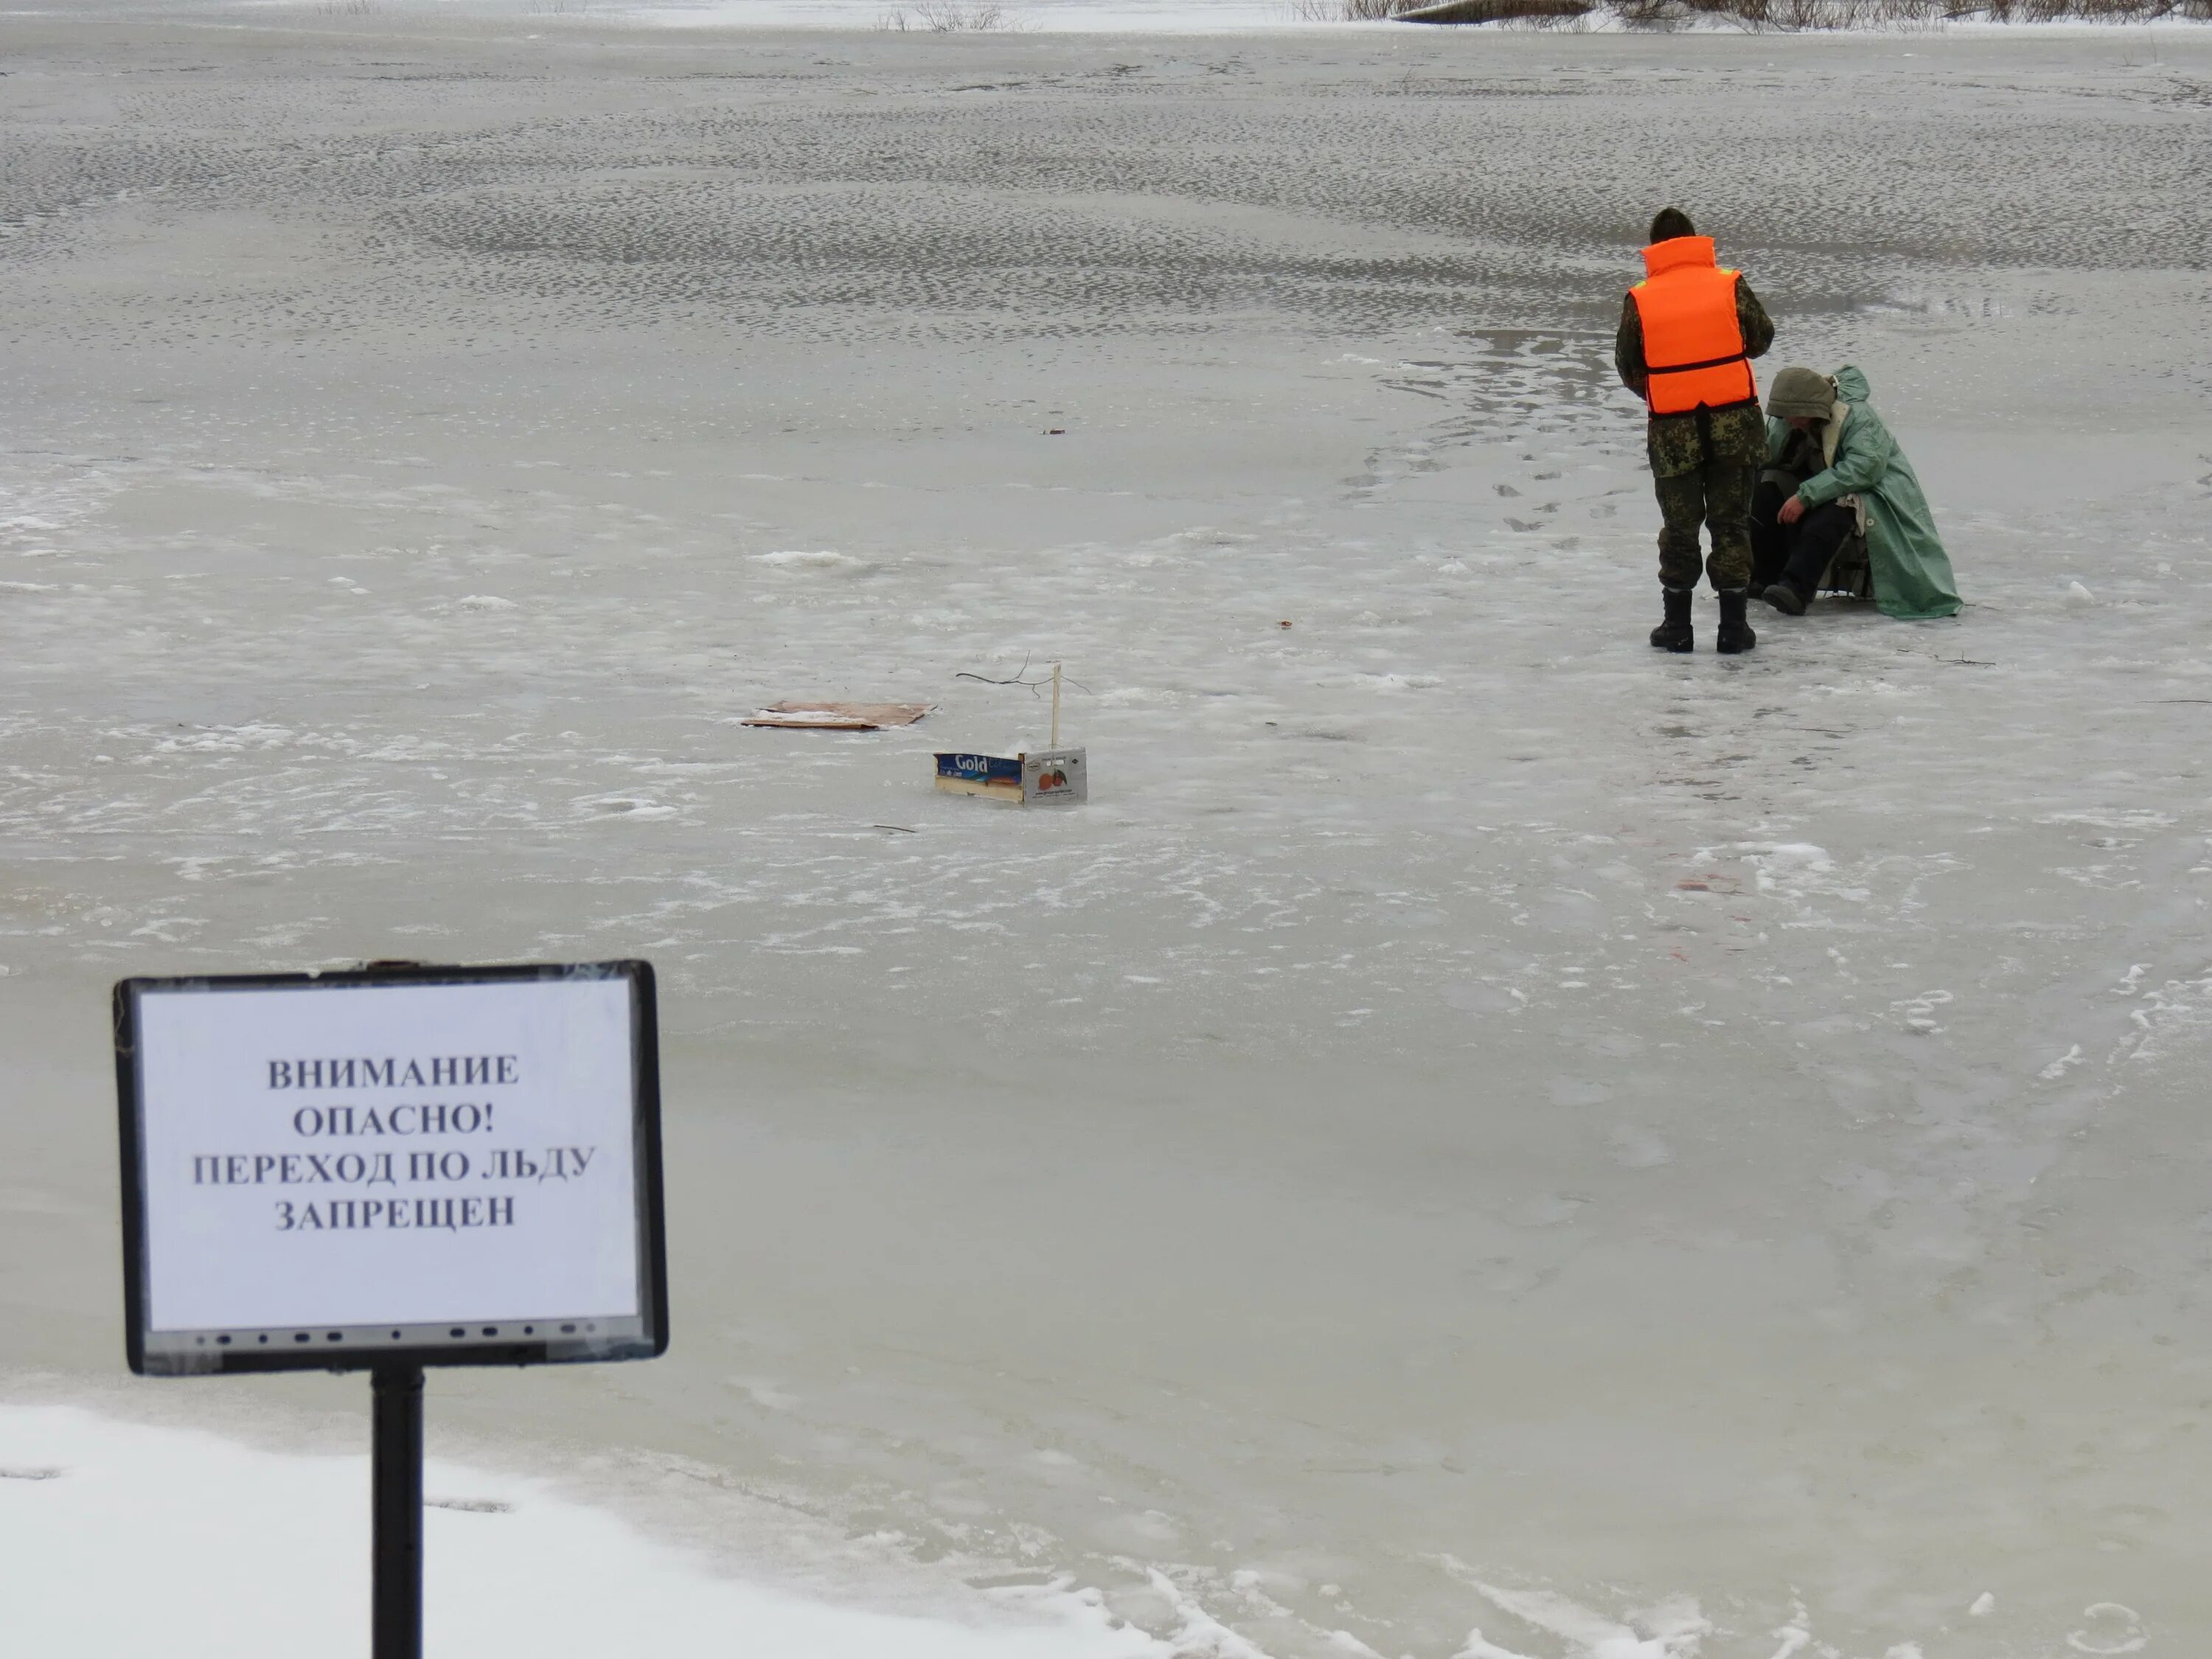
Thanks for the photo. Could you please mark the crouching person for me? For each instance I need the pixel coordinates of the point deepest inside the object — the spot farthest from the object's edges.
(1838, 507)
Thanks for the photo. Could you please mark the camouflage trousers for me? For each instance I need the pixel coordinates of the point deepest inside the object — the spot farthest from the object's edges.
(1704, 467)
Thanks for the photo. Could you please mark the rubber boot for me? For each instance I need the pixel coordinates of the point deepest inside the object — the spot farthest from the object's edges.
(1734, 634)
(1675, 634)
(1793, 590)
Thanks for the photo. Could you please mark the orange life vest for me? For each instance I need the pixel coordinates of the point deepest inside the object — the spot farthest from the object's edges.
(1692, 342)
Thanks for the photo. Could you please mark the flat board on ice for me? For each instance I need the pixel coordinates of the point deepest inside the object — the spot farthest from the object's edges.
(1050, 776)
(839, 716)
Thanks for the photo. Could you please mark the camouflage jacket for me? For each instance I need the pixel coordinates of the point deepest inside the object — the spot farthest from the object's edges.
(1737, 435)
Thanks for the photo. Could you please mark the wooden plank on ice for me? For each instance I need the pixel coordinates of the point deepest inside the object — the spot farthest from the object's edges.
(838, 716)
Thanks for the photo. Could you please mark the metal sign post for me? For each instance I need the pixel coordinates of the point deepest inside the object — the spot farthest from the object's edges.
(395, 1482)
(388, 1169)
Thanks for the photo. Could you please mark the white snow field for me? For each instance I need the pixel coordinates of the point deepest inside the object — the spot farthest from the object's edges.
(169, 1518)
(1481, 1138)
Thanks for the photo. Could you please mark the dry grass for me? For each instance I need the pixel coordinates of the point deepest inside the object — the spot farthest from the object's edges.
(1785, 15)
(1350, 11)
(1465, 11)
(1539, 13)
(947, 17)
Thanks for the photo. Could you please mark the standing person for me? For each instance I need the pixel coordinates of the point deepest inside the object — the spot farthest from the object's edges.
(1844, 476)
(1687, 333)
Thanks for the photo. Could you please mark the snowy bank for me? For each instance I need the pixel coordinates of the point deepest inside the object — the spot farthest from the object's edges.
(122, 1538)
(550, 19)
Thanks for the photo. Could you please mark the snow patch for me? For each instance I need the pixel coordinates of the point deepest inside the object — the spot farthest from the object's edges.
(204, 1526)
(1673, 1629)
(2051, 1074)
(802, 559)
(228, 740)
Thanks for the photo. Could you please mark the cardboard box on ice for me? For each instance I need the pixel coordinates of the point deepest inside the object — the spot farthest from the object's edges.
(1051, 775)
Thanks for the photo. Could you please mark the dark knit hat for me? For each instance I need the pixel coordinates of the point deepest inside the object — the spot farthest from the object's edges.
(1670, 223)
(1801, 393)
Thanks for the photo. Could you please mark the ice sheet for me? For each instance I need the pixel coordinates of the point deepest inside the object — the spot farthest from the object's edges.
(1467, 1088)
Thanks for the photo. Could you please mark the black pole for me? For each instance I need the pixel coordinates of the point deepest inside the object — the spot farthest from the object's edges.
(395, 1479)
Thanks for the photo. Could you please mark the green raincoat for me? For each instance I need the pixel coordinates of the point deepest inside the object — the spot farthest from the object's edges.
(1868, 471)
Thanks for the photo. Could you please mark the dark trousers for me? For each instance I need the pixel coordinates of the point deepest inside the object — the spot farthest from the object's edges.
(1798, 554)
(1703, 466)
(1717, 497)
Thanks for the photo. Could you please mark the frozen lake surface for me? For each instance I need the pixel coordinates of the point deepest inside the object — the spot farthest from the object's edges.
(1479, 1125)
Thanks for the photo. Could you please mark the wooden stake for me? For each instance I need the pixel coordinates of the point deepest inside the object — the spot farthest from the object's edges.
(1055, 705)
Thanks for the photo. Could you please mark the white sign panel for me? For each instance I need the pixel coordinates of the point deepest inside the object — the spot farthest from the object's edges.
(346, 1169)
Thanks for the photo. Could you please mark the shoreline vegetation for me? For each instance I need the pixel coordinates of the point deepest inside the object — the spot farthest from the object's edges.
(948, 17)
(1788, 16)
(1660, 16)
(1779, 16)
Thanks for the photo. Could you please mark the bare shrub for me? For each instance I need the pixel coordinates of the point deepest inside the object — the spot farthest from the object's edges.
(2126, 11)
(1569, 23)
(1788, 15)
(1795, 15)
(1496, 11)
(1352, 11)
(1912, 15)
(947, 17)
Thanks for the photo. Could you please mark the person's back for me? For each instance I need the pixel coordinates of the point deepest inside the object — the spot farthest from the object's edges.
(1687, 334)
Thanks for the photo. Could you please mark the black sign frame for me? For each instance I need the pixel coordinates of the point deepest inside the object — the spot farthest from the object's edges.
(531, 1343)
